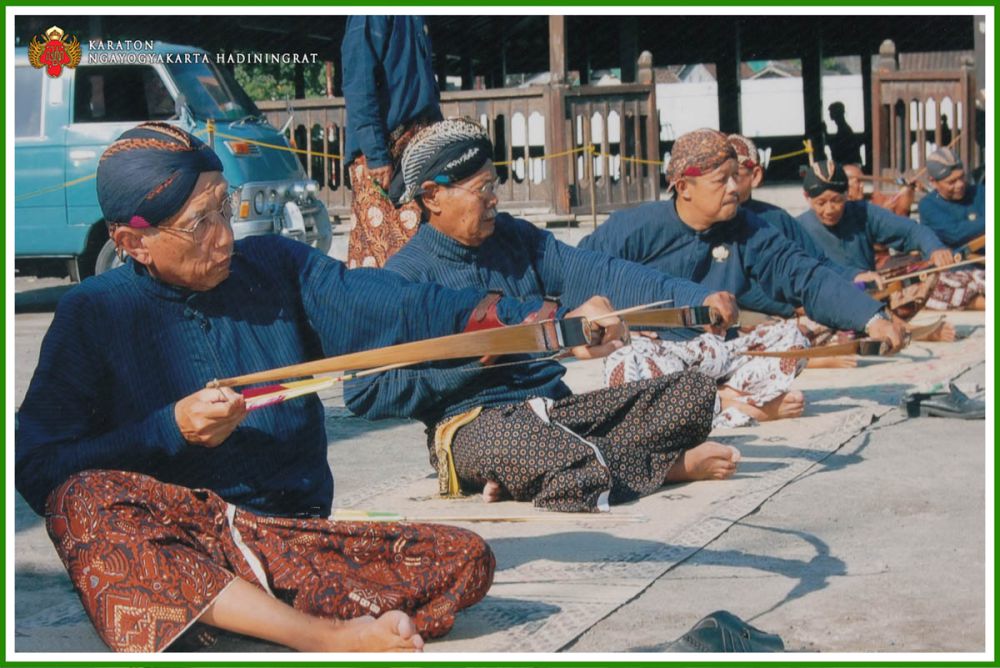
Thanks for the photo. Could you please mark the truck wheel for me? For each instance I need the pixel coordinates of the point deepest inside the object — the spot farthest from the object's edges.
(107, 259)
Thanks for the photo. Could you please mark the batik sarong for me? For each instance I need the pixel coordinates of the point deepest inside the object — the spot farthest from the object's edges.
(148, 558)
(586, 451)
(759, 379)
(380, 228)
(956, 289)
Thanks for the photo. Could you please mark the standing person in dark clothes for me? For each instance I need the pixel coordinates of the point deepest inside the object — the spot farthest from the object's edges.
(705, 236)
(172, 507)
(390, 92)
(514, 429)
(844, 145)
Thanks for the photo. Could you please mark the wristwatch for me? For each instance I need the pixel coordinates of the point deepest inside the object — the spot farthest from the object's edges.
(881, 314)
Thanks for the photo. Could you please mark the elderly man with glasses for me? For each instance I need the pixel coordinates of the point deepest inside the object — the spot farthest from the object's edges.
(512, 428)
(175, 509)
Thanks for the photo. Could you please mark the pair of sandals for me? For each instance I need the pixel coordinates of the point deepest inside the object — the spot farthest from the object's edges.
(724, 632)
(950, 403)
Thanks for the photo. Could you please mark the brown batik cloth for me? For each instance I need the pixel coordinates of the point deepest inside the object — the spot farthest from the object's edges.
(586, 450)
(147, 558)
(697, 153)
(956, 289)
(380, 229)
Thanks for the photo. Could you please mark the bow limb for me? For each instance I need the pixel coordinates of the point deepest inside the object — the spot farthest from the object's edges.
(544, 336)
(686, 316)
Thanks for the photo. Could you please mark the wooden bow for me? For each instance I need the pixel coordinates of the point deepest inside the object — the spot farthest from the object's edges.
(899, 282)
(551, 336)
(542, 336)
(687, 316)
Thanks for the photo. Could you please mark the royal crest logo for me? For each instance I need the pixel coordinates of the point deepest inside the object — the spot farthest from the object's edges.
(53, 50)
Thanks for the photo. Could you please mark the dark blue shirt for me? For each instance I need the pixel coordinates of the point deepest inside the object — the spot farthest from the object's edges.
(850, 241)
(123, 347)
(756, 298)
(388, 80)
(955, 223)
(728, 256)
(525, 262)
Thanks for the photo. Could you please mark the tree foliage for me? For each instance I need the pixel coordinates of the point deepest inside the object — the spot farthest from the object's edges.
(276, 81)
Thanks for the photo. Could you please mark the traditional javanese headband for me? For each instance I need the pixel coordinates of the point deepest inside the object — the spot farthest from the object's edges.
(446, 152)
(823, 176)
(148, 173)
(698, 152)
(941, 163)
(746, 150)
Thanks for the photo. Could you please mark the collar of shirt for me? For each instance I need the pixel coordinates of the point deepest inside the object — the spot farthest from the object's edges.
(442, 246)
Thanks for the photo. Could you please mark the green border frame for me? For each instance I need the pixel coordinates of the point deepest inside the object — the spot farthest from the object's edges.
(72, 660)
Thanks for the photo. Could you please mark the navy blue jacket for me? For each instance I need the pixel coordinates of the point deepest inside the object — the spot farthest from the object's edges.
(728, 256)
(863, 224)
(524, 262)
(388, 80)
(955, 223)
(124, 347)
(756, 298)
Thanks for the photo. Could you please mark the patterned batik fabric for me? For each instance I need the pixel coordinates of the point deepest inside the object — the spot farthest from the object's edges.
(582, 452)
(148, 558)
(957, 289)
(380, 229)
(697, 153)
(759, 379)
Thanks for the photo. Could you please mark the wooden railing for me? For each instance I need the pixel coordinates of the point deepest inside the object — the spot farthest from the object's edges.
(534, 130)
(906, 114)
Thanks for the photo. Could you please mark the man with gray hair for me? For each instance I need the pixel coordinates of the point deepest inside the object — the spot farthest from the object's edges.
(956, 209)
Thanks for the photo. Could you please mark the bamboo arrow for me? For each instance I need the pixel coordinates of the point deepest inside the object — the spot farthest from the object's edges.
(864, 347)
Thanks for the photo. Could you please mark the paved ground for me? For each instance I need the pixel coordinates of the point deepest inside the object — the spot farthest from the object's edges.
(880, 548)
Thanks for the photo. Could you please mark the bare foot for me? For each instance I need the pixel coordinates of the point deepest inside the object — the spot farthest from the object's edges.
(392, 632)
(946, 332)
(708, 461)
(492, 491)
(791, 404)
(835, 362)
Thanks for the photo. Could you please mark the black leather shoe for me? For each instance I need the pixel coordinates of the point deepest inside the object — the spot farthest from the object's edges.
(951, 404)
(722, 631)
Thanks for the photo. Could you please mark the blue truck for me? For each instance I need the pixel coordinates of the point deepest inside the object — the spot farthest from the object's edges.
(63, 124)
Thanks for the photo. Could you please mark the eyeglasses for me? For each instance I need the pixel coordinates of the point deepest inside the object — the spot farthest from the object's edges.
(484, 191)
(203, 224)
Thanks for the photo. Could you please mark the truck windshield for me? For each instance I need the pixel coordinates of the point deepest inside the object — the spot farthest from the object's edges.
(212, 92)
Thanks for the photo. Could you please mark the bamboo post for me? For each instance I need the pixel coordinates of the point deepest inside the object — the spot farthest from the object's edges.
(593, 184)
